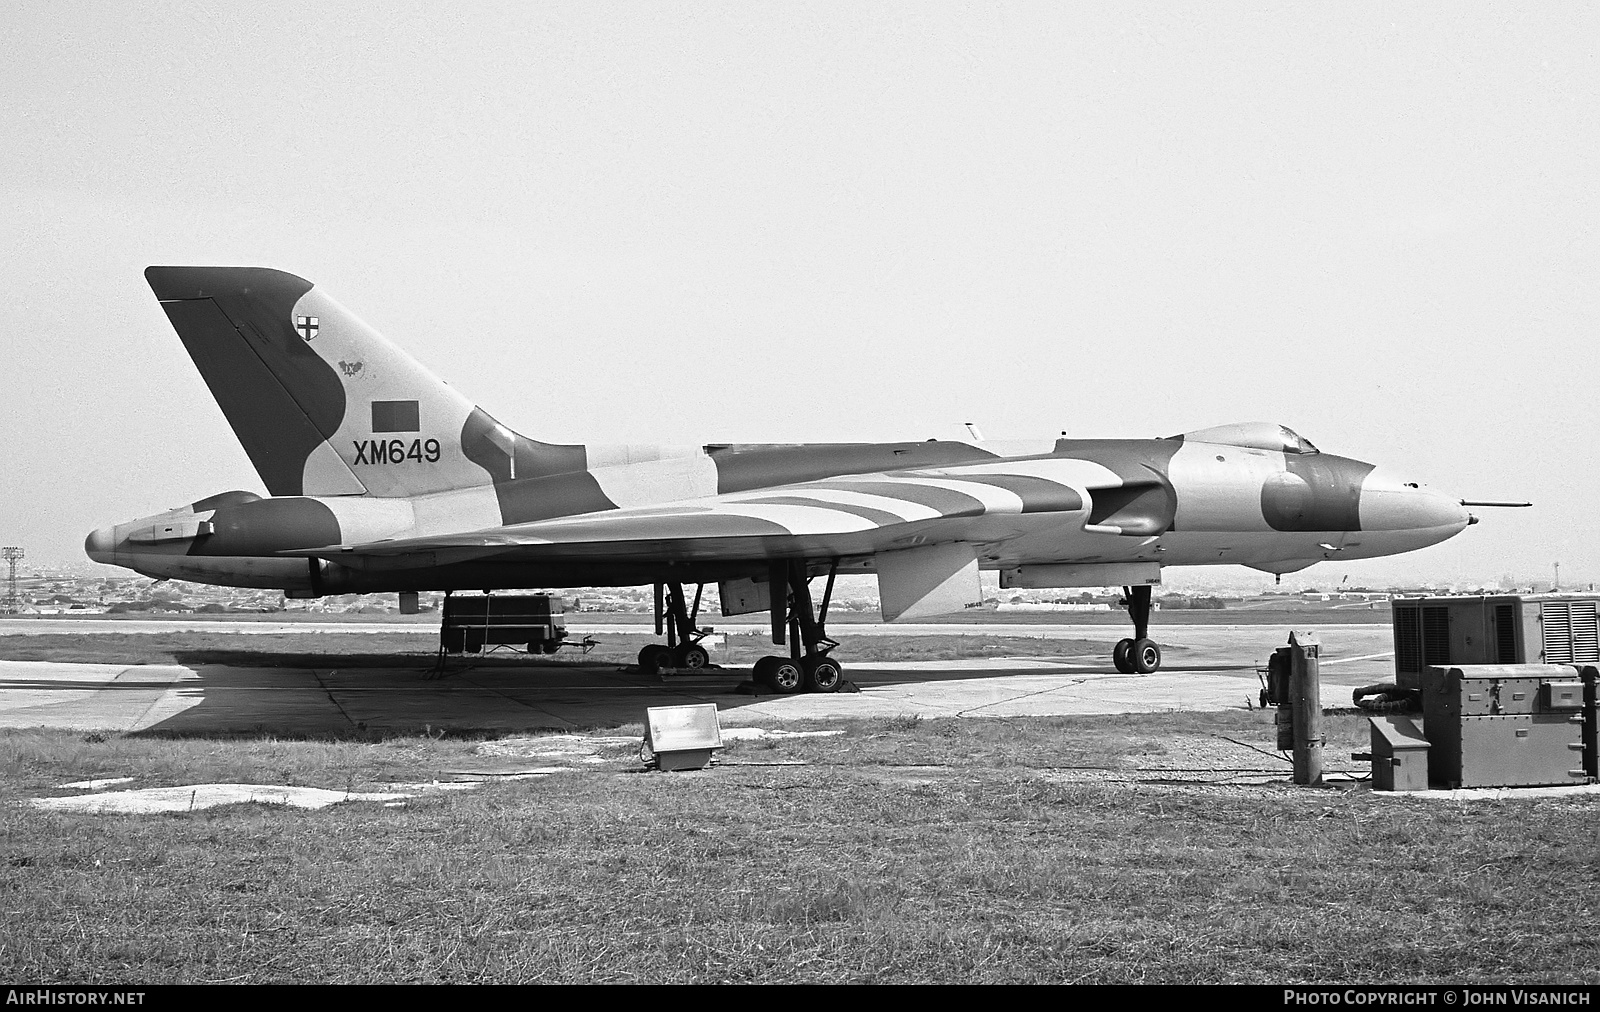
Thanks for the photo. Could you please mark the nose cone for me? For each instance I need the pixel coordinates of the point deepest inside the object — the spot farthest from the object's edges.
(101, 546)
(1388, 504)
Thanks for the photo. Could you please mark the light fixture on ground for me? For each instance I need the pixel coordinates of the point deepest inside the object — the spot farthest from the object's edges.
(682, 737)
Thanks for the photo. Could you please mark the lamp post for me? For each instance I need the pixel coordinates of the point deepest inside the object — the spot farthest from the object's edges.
(12, 555)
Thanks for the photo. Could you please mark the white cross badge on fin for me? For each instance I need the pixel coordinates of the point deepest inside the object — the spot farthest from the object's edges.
(307, 326)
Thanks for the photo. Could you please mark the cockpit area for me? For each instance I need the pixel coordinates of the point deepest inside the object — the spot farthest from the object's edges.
(1254, 436)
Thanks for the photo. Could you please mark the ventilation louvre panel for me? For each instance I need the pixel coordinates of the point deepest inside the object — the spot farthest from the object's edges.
(1435, 636)
(1585, 626)
(1555, 623)
(1407, 641)
(1505, 633)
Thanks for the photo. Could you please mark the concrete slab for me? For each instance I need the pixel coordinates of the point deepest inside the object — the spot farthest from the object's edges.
(192, 797)
(1500, 793)
(1206, 668)
(52, 626)
(96, 785)
(1034, 690)
(112, 697)
(583, 624)
(282, 701)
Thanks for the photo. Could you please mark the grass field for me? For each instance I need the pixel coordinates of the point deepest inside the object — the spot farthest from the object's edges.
(1087, 849)
(968, 851)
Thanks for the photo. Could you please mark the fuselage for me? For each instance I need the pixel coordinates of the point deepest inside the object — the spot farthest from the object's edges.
(382, 477)
(1236, 495)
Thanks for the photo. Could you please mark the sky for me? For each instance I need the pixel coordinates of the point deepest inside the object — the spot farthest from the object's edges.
(709, 222)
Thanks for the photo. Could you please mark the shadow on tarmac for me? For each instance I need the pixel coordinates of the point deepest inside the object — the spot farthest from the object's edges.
(235, 693)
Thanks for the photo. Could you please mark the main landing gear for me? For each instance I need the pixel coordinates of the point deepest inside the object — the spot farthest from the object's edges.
(1139, 655)
(808, 668)
(682, 651)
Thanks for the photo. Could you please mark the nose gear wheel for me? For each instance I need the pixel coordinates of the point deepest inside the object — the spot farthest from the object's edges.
(1138, 655)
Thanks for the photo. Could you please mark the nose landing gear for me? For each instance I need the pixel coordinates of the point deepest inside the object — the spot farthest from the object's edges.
(1138, 654)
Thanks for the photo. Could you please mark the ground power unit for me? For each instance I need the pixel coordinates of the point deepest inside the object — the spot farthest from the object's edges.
(473, 621)
(1509, 725)
(1504, 629)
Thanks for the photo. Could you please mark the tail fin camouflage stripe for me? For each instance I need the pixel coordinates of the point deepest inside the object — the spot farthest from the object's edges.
(225, 318)
(323, 404)
(509, 456)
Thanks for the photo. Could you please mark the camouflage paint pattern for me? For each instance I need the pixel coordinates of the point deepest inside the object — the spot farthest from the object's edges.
(382, 477)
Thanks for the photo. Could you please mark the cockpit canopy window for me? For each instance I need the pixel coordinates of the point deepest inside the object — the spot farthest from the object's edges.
(1254, 435)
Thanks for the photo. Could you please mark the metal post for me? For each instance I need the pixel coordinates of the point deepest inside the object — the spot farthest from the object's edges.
(675, 616)
(1305, 694)
(12, 556)
(827, 598)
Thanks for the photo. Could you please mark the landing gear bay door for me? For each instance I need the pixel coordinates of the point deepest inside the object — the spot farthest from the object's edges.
(920, 582)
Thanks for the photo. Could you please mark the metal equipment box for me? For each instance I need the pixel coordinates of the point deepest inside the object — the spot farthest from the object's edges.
(1504, 725)
(472, 621)
(1399, 754)
(1505, 629)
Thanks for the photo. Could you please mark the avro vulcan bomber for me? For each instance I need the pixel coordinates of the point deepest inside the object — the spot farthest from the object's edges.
(380, 477)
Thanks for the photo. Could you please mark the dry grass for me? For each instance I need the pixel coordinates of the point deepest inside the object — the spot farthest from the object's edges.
(927, 851)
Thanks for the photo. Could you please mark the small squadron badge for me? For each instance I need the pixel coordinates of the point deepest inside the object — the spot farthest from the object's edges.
(307, 326)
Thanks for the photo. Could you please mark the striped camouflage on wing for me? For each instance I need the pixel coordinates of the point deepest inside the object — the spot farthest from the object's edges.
(850, 515)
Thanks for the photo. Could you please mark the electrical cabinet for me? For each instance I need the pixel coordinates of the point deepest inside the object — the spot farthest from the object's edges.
(1506, 725)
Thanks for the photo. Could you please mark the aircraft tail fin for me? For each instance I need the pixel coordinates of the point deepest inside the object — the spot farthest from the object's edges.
(323, 404)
